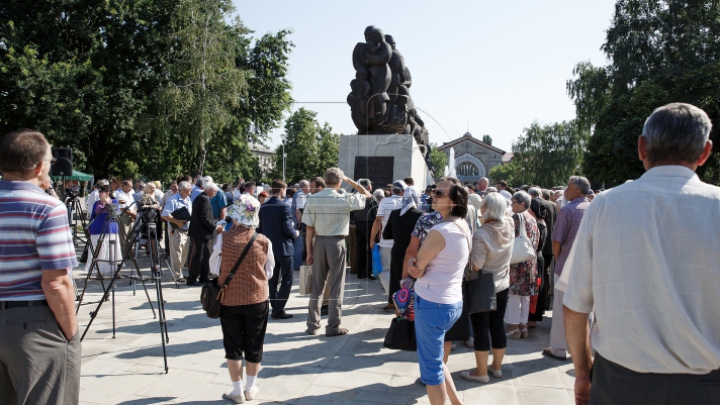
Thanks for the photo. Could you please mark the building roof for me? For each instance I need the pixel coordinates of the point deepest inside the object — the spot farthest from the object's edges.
(470, 138)
(508, 157)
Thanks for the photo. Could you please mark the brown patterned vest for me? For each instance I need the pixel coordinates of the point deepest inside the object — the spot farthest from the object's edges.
(250, 285)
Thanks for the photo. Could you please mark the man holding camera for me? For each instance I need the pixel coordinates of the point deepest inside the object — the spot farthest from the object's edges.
(39, 344)
(128, 211)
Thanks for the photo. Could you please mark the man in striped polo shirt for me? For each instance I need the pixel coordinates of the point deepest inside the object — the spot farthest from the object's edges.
(39, 343)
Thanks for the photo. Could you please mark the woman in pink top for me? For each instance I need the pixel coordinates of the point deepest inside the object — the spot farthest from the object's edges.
(439, 271)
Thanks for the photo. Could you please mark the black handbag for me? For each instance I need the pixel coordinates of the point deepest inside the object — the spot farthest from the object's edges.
(211, 294)
(481, 294)
(401, 335)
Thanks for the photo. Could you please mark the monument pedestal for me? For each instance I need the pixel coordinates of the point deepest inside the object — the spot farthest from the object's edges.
(384, 159)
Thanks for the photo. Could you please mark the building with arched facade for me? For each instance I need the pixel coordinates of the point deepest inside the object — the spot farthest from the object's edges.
(473, 158)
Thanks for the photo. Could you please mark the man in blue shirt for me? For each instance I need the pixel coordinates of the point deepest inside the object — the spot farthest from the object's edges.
(219, 205)
(179, 242)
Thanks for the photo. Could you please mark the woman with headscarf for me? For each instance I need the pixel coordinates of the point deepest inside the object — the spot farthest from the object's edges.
(399, 228)
(245, 306)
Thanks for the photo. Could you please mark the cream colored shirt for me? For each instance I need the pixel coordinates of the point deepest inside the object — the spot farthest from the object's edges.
(646, 260)
(329, 211)
(492, 255)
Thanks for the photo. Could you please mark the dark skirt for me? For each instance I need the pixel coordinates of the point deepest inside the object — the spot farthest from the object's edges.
(460, 331)
(537, 316)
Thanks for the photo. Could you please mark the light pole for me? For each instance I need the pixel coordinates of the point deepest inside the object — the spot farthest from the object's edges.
(284, 138)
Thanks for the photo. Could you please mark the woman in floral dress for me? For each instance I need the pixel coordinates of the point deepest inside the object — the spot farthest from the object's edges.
(523, 275)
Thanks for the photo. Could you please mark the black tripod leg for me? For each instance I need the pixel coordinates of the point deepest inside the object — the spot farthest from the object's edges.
(156, 272)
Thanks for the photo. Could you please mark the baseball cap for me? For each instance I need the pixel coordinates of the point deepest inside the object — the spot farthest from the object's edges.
(364, 182)
(399, 185)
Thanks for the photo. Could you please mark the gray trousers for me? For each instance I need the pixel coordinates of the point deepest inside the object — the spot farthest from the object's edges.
(558, 341)
(37, 364)
(329, 264)
(613, 384)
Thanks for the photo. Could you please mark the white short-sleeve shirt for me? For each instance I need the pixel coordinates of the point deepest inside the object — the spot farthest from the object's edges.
(646, 261)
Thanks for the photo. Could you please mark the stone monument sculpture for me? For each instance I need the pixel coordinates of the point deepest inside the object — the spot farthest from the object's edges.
(380, 100)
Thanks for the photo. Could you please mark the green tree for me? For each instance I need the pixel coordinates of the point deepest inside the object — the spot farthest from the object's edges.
(301, 147)
(328, 148)
(660, 51)
(487, 139)
(590, 92)
(122, 84)
(311, 149)
(207, 83)
(438, 159)
(510, 172)
(546, 155)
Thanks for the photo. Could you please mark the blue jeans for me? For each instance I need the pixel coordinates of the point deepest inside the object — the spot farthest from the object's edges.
(298, 246)
(431, 322)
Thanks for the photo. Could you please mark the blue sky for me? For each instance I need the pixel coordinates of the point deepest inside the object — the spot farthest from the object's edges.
(492, 67)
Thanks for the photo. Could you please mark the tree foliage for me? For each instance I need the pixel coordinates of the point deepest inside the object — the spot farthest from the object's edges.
(487, 139)
(311, 149)
(546, 155)
(142, 87)
(660, 51)
(438, 159)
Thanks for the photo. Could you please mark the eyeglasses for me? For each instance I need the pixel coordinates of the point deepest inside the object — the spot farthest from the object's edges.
(439, 193)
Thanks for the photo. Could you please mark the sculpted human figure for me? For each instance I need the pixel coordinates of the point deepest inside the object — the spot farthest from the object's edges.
(400, 75)
(376, 57)
(380, 99)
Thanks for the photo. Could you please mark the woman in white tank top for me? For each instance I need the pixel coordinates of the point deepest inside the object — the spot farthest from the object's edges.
(439, 271)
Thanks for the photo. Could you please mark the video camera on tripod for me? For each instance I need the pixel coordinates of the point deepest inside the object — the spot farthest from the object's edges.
(72, 192)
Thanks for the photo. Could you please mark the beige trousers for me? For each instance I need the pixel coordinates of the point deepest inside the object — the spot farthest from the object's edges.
(179, 248)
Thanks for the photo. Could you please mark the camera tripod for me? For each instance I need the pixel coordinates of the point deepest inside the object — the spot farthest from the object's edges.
(113, 240)
(156, 273)
(74, 208)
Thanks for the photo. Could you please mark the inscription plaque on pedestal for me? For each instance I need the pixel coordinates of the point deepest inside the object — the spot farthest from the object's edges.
(379, 169)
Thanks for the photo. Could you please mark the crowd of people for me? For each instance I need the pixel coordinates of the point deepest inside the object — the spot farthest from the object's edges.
(630, 273)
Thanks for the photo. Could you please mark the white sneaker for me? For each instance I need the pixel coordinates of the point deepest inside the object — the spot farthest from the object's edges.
(250, 394)
(238, 399)
(470, 342)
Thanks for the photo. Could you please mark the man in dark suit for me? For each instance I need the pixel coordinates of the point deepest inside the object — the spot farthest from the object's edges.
(202, 227)
(364, 219)
(276, 223)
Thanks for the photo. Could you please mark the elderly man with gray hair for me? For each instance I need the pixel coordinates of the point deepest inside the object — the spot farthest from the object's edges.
(645, 262)
(178, 232)
(563, 236)
(327, 218)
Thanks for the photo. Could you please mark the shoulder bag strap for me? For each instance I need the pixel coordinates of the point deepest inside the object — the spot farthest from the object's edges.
(230, 276)
(523, 228)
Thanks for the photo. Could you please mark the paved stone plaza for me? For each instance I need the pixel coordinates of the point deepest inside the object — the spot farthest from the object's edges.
(297, 368)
